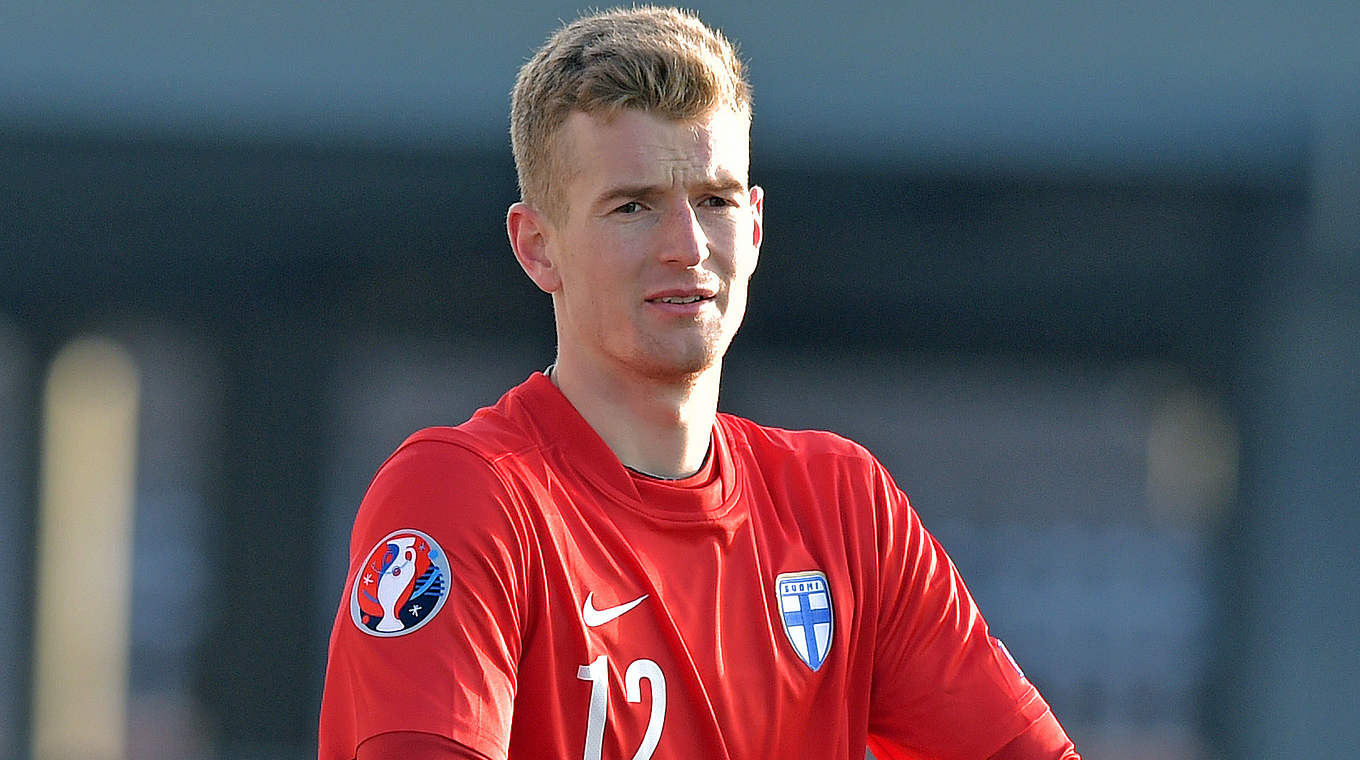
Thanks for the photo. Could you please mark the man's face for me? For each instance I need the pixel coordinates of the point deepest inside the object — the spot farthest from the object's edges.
(658, 239)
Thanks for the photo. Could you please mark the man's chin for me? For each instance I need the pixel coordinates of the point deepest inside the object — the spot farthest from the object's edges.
(680, 365)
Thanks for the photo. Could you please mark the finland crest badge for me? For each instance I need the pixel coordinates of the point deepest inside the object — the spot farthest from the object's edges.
(805, 609)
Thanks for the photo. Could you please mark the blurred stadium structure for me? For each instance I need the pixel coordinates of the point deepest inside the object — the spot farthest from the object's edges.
(1087, 279)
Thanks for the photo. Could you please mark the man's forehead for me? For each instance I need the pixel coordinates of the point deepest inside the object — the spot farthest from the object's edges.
(716, 143)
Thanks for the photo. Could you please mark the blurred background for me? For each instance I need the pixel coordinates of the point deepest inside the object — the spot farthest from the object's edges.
(1086, 276)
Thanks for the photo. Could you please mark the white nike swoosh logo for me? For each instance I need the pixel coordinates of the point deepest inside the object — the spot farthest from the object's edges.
(594, 617)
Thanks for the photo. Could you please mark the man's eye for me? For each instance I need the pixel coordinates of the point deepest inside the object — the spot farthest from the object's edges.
(631, 207)
(716, 201)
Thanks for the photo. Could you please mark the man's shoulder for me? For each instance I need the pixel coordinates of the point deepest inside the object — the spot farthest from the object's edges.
(494, 434)
(766, 441)
(814, 466)
(486, 438)
(481, 467)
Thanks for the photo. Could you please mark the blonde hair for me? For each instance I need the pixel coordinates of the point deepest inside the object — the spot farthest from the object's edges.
(663, 61)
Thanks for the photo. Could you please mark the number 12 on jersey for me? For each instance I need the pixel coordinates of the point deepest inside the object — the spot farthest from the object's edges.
(597, 673)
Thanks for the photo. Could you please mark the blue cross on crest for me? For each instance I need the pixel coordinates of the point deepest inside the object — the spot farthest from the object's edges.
(805, 609)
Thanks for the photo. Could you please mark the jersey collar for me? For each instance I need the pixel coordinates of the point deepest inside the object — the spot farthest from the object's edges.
(573, 444)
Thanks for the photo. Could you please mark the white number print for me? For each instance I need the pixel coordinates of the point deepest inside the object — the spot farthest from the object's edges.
(649, 670)
(597, 673)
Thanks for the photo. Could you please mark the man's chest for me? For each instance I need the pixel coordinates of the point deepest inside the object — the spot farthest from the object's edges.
(682, 643)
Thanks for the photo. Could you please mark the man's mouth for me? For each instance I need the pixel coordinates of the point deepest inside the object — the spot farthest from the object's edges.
(681, 299)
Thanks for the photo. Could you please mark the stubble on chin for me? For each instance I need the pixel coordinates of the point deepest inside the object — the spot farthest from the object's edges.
(679, 361)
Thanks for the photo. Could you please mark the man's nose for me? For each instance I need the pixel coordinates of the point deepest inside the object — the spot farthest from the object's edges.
(686, 242)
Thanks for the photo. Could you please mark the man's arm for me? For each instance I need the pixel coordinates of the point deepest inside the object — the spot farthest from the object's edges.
(412, 745)
(444, 663)
(1043, 740)
(942, 684)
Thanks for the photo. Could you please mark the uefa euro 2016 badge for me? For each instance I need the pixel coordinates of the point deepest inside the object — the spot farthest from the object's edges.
(805, 609)
(401, 585)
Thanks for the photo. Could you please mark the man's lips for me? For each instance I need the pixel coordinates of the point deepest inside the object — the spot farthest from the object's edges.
(682, 297)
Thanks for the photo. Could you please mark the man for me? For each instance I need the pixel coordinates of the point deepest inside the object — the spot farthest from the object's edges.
(601, 565)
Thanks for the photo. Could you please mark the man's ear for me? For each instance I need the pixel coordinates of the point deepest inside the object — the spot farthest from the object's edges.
(757, 215)
(529, 230)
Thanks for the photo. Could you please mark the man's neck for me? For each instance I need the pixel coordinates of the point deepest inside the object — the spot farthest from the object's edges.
(657, 427)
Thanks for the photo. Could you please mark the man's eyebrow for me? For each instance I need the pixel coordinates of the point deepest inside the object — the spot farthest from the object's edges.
(720, 184)
(619, 192)
(724, 183)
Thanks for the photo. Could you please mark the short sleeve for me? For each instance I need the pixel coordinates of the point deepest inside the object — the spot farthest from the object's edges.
(942, 686)
(427, 636)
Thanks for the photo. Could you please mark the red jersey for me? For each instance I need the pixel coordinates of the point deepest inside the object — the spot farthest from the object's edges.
(513, 587)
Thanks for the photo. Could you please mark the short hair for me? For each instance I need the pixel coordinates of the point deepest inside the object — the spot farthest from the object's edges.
(663, 61)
